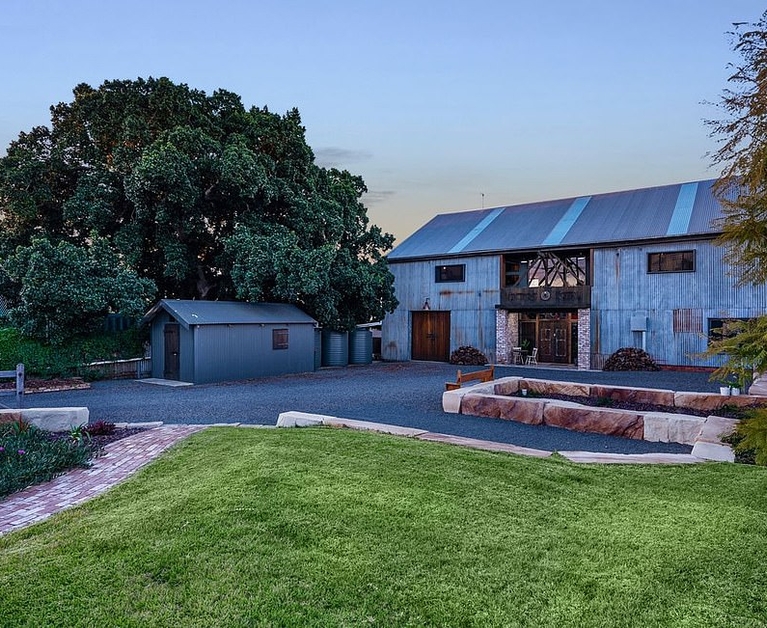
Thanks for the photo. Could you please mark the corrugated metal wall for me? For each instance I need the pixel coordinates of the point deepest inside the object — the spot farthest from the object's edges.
(471, 304)
(623, 292)
(623, 289)
(215, 353)
(157, 340)
(230, 352)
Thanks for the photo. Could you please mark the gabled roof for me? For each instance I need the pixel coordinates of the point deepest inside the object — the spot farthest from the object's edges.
(228, 312)
(669, 211)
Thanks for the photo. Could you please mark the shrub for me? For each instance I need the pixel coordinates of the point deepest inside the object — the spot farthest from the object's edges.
(752, 432)
(468, 356)
(43, 360)
(100, 428)
(630, 359)
(744, 345)
(30, 456)
(742, 454)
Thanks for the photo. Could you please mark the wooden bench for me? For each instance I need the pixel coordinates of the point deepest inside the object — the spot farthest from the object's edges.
(487, 375)
(18, 375)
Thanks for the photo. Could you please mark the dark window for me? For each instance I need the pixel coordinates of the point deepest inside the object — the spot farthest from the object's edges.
(671, 262)
(279, 339)
(455, 272)
(515, 273)
(721, 328)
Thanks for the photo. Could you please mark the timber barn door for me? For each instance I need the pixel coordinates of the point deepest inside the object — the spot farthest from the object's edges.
(554, 341)
(431, 336)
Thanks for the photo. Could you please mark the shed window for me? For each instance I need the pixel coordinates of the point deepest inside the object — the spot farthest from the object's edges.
(671, 262)
(279, 339)
(454, 272)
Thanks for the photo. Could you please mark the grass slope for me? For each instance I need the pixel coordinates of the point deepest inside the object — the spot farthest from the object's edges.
(320, 527)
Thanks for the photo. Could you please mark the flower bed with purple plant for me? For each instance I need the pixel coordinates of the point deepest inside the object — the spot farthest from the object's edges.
(29, 455)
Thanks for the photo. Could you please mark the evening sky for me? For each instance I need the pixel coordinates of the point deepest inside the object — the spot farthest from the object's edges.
(439, 106)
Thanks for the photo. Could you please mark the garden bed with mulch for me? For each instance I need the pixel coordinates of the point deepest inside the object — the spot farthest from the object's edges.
(47, 385)
(29, 455)
(99, 441)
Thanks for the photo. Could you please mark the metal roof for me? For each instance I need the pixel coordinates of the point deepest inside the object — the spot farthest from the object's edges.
(669, 211)
(228, 312)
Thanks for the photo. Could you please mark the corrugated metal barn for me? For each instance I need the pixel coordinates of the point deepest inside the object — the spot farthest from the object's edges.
(574, 278)
(215, 341)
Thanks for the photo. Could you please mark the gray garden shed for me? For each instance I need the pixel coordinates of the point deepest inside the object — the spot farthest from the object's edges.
(215, 341)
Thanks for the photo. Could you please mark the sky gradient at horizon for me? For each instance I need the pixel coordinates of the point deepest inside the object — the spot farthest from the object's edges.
(438, 106)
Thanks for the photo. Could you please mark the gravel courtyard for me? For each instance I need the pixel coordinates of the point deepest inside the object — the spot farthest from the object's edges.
(402, 393)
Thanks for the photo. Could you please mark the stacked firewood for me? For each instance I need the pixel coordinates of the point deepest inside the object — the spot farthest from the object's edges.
(630, 359)
(468, 356)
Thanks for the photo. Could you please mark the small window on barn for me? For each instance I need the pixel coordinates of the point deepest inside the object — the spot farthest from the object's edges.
(279, 339)
(454, 272)
(671, 262)
(721, 328)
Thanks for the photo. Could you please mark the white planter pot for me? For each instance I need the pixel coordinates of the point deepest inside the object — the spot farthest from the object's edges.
(734, 391)
(724, 391)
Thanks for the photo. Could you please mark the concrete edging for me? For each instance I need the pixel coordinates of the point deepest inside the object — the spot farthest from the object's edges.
(305, 419)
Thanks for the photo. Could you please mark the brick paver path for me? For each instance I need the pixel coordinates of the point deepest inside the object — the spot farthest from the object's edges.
(121, 459)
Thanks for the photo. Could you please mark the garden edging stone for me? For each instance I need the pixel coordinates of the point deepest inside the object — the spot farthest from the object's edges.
(49, 419)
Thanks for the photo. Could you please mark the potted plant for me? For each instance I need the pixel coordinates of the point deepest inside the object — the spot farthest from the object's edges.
(742, 345)
(734, 385)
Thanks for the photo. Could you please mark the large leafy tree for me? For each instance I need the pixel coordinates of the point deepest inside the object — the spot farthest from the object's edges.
(68, 289)
(742, 154)
(742, 190)
(201, 196)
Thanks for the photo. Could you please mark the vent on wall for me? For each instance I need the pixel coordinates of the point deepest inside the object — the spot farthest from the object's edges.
(688, 321)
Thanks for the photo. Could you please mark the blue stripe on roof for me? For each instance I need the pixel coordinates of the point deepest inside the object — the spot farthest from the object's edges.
(560, 230)
(680, 219)
(483, 224)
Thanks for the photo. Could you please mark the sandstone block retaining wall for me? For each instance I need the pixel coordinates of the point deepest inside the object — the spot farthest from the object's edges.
(495, 400)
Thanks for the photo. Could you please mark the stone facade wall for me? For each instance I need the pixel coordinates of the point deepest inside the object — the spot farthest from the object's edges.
(584, 339)
(506, 335)
(502, 346)
(513, 331)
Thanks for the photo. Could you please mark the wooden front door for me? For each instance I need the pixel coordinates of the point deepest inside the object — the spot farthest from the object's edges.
(554, 341)
(431, 336)
(172, 361)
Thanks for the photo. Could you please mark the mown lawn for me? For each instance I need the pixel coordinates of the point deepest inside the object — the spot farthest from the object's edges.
(322, 527)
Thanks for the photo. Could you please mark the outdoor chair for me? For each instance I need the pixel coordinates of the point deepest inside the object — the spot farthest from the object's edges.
(516, 355)
(533, 357)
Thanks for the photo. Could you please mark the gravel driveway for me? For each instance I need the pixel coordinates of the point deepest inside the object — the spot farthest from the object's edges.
(401, 393)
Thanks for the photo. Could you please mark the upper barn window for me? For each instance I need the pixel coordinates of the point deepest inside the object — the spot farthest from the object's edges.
(671, 262)
(553, 269)
(454, 272)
